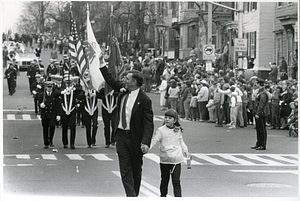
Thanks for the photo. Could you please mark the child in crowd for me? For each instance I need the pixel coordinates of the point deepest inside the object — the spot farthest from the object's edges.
(233, 108)
(162, 90)
(173, 92)
(193, 106)
(211, 110)
(172, 152)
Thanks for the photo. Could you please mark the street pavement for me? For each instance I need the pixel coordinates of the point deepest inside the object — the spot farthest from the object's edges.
(223, 165)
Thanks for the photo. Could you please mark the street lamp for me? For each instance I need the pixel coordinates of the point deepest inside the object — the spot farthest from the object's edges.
(162, 30)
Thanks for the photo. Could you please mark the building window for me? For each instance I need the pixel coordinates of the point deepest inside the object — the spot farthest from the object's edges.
(174, 7)
(191, 5)
(290, 46)
(279, 4)
(290, 3)
(246, 7)
(251, 44)
(192, 35)
(253, 6)
(278, 48)
(172, 39)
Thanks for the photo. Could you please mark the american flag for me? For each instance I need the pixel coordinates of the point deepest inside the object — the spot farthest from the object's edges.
(76, 49)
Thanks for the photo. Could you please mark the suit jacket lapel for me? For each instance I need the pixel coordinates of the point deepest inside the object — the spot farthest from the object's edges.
(137, 103)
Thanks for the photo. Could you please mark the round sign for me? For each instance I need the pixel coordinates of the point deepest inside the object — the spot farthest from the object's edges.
(209, 50)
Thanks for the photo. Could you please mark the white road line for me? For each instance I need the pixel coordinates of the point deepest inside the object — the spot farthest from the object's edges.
(101, 157)
(145, 188)
(49, 157)
(74, 157)
(235, 159)
(18, 165)
(284, 159)
(152, 157)
(11, 117)
(23, 156)
(267, 171)
(210, 159)
(26, 117)
(267, 161)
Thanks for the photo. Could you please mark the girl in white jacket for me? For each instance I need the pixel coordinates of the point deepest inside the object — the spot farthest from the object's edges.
(172, 152)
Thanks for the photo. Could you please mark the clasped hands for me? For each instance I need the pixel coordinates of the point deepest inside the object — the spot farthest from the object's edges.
(144, 148)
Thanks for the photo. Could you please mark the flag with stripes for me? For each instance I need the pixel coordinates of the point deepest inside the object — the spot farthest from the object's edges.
(77, 51)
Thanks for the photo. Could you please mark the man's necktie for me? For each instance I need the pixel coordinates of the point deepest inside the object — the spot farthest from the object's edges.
(124, 111)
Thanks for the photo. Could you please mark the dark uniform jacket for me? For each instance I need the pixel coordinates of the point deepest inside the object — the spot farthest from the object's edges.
(52, 108)
(32, 71)
(262, 108)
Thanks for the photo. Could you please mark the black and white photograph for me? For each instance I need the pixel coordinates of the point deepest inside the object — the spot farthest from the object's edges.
(118, 99)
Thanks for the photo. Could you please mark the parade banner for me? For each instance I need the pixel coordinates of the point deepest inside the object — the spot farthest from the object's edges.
(93, 56)
(115, 62)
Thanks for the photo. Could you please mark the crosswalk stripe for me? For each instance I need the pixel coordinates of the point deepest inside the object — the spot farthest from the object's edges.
(49, 157)
(145, 188)
(206, 159)
(101, 157)
(23, 156)
(267, 161)
(74, 157)
(210, 159)
(38, 117)
(235, 159)
(267, 171)
(11, 117)
(26, 117)
(283, 159)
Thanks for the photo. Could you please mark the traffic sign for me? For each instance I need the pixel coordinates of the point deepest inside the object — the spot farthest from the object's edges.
(209, 52)
(240, 44)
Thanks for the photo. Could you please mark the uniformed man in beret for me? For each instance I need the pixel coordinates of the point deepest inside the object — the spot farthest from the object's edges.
(32, 70)
(37, 90)
(261, 110)
(50, 113)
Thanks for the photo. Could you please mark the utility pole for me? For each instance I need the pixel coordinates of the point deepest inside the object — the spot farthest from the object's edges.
(209, 24)
(240, 35)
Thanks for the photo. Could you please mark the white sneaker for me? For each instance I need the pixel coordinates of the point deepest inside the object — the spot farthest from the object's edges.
(228, 124)
(232, 127)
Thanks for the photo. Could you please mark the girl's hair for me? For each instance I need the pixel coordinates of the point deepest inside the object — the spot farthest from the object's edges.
(174, 114)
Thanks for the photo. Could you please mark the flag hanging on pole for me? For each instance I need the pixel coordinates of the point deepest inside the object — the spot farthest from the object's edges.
(76, 50)
(93, 56)
(115, 62)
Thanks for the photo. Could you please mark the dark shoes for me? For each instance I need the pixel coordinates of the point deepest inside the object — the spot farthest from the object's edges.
(218, 125)
(72, 147)
(89, 146)
(46, 146)
(261, 148)
(255, 147)
(51, 145)
(65, 146)
(106, 146)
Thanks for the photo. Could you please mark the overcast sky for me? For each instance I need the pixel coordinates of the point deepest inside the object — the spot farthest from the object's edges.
(10, 12)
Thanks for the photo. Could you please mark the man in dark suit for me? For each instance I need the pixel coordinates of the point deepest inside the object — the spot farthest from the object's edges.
(50, 112)
(134, 126)
(261, 111)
